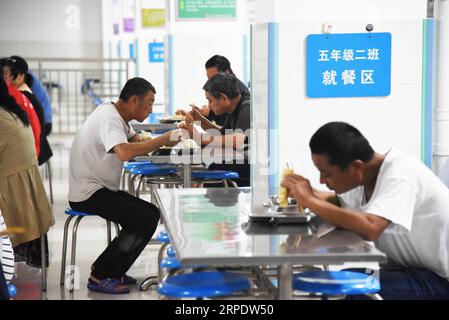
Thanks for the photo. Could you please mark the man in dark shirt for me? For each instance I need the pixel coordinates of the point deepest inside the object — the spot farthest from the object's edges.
(213, 66)
(224, 97)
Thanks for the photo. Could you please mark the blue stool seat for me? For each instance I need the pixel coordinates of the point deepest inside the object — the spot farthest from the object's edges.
(72, 212)
(203, 284)
(77, 216)
(12, 290)
(136, 164)
(171, 263)
(214, 174)
(171, 251)
(335, 282)
(163, 237)
(154, 170)
(174, 263)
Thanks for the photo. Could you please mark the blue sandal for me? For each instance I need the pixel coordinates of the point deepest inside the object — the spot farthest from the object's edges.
(128, 280)
(107, 285)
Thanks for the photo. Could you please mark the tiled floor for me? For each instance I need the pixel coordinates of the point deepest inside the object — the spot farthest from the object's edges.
(91, 242)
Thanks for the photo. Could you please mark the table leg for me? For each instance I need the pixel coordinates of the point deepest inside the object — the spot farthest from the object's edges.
(285, 282)
(187, 178)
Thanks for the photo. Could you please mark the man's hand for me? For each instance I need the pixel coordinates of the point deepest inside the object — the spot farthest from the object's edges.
(196, 114)
(180, 112)
(173, 137)
(205, 110)
(188, 127)
(136, 138)
(299, 188)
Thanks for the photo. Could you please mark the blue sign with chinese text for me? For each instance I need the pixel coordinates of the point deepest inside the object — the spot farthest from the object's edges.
(348, 65)
(156, 51)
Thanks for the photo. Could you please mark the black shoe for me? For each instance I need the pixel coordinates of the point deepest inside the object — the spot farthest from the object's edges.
(35, 261)
(19, 257)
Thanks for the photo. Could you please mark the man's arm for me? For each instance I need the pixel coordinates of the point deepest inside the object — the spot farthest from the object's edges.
(136, 138)
(367, 225)
(235, 140)
(196, 115)
(206, 124)
(328, 196)
(127, 151)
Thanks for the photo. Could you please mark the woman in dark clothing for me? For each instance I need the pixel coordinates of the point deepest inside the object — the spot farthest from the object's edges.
(15, 70)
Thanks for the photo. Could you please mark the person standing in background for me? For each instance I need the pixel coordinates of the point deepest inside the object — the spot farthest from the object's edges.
(26, 105)
(15, 70)
(42, 96)
(23, 200)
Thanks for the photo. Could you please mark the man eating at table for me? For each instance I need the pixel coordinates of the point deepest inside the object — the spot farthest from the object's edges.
(391, 199)
(224, 97)
(98, 151)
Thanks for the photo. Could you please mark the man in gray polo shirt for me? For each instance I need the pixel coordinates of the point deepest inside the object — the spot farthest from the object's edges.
(101, 146)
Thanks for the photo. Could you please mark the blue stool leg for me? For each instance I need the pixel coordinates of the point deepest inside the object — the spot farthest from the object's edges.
(72, 260)
(155, 280)
(159, 259)
(123, 179)
(64, 249)
(129, 181)
(108, 227)
(131, 188)
(117, 229)
(374, 296)
(137, 192)
(234, 184)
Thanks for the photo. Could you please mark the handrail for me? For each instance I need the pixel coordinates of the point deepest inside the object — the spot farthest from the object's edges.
(81, 60)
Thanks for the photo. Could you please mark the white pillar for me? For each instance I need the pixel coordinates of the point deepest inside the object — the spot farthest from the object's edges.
(441, 132)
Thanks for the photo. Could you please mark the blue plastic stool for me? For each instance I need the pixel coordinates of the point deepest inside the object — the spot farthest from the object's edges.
(174, 263)
(12, 290)
(150, 170)
(78, 215)
(171, 263)
(136, 164)
(336, 283)
(127, 166)
(203, 284)
(171, 251)
(216, 176)
(154, 170)
(163, 237)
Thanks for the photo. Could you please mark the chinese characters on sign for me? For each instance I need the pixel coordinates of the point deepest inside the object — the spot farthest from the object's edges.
(206, 9)
(348, 65)
(156, 51)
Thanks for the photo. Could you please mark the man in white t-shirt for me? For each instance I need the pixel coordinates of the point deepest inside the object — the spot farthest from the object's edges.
(98, 151)
(391, 199)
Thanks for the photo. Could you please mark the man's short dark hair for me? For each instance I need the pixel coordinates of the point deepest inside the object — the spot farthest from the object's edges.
(222, 83)
(221, 63)
(341, 143)
(136, 87)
